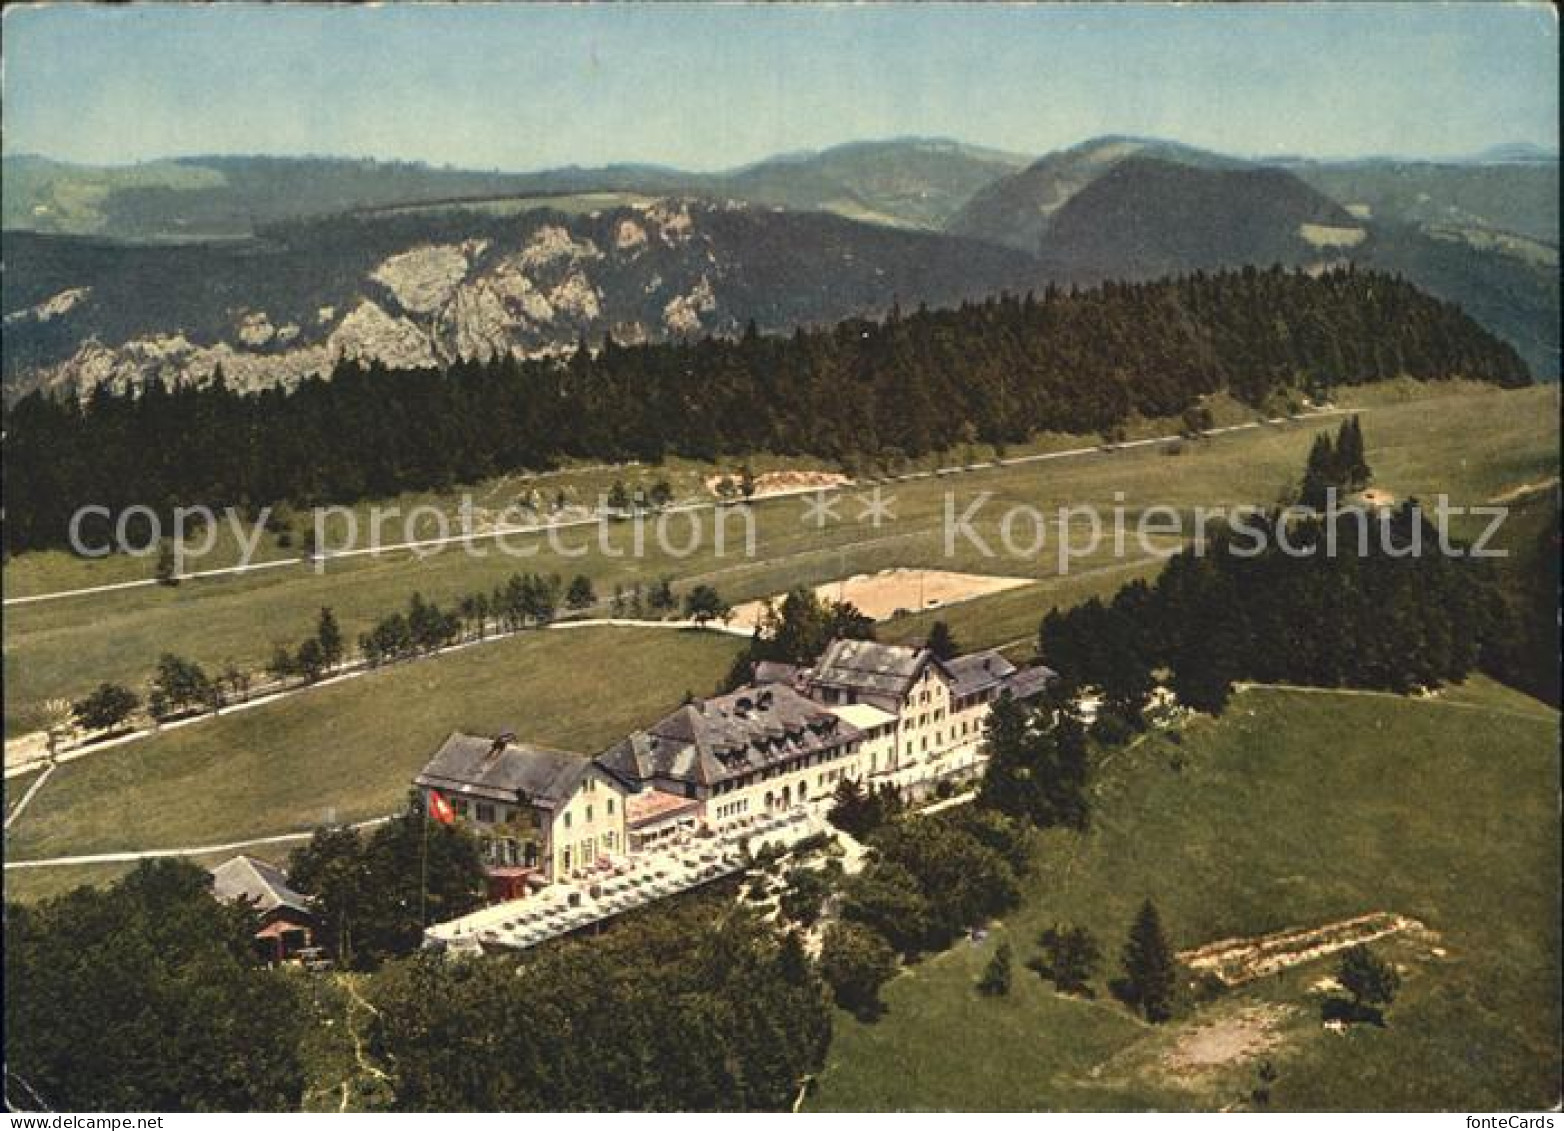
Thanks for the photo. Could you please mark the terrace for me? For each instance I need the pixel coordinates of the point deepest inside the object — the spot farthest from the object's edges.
(620, 885)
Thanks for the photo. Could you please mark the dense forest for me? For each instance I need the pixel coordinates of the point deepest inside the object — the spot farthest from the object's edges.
(995, 371)
(1350, 599)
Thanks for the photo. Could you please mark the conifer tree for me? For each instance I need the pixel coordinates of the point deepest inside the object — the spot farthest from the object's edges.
(328, 635)
(1149, 977)
(1320, 474)
(941, 643)
(995, 981)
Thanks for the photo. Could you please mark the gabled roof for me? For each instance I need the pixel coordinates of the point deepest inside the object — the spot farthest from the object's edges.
(256, 882)
(1031, 681)
(707, 742)
(978, 670)
(871, 668)
(498, 770)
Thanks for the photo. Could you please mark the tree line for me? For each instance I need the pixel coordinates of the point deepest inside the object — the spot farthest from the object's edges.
(860, 392)
(1381, 619)
(181, 686)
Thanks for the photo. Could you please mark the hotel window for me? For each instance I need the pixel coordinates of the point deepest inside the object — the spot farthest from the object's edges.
(486, 813)
(589, 814)
(567, 820)
(610, 806)
(461, 807)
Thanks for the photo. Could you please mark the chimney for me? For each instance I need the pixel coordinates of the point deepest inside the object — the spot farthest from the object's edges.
(505, 738)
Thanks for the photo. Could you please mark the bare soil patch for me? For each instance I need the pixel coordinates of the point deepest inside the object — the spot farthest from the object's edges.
(1242, 1035)
(885, 594)
(1236, 961)
(781, 482)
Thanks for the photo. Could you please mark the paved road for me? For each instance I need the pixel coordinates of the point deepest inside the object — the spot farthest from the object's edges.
(543, 528)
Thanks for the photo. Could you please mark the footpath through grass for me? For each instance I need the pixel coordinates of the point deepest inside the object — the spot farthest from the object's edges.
(1295, 809)
(1417, 447)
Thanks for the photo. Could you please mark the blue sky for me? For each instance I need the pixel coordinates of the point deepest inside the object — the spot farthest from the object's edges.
(712, 86)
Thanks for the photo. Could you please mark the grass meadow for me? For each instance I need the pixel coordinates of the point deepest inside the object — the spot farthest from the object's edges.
(1417, 447)
(1294, 809)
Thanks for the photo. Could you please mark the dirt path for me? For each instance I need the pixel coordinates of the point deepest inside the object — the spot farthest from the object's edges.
(159, 853)
(540, 528)
(25, 753)
(32, 791)
(1365, 693)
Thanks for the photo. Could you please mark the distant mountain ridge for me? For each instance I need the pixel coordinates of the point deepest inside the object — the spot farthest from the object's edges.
(429, 289)
(1482, 236)
(906, 182)
(800, 238)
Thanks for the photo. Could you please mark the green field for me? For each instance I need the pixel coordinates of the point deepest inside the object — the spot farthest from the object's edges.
(1295, 809)
(62, 648)
(348, 751)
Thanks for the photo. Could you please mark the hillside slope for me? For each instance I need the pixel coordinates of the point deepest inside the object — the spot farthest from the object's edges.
(425, 289)
(1148, 217)
(904, 182)
(1016, 210)
(1482, 235)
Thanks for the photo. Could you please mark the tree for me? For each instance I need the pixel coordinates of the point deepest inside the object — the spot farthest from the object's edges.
(331, 868)
(1265, 1076)
(310, 660)
(995, 981)
(886, 898)
(702, 604)
(1070, 958)
(1319, 474)
(855, 962)
(179, 684)
(236, 680)
(165, 570)
(805, 896)
(660, 597)
(618, 500)
(1351, 460)
(281, 666)
(329, 637)
(109, 705)
(605, 1022)
(377, 894)
(147, 996)
(1370, 980)
(661, 494)
(580, 594)
(1197, 420)
(1149, 977)
(1038, 764)
(941, 643)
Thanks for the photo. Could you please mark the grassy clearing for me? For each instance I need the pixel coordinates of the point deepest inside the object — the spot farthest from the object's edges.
(348, 752)
(63, 648)
(1294, 809)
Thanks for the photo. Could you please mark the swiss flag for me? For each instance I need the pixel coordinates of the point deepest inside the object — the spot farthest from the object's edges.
(440, 809)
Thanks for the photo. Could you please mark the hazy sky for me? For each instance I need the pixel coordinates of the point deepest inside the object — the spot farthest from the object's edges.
(710, 86)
